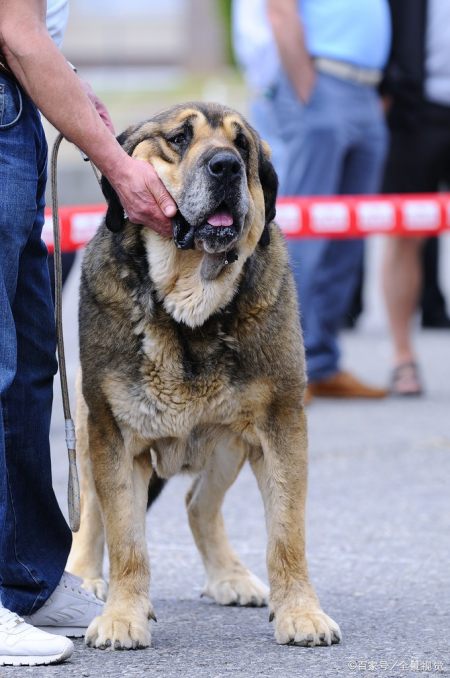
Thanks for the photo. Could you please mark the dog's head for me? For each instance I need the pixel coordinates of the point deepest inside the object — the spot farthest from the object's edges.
(219, 173)
(216, 168)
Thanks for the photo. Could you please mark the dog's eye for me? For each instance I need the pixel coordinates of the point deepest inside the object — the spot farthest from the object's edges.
(177, 139)
(241, 142)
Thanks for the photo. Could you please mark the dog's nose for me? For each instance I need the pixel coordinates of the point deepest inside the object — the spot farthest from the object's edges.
(225, 166)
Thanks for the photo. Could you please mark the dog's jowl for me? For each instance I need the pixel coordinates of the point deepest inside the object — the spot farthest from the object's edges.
(192, 361)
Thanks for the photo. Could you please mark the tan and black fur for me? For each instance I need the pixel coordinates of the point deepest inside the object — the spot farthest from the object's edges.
(192, 361)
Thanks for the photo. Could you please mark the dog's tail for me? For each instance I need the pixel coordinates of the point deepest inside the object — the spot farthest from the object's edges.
(155, 488)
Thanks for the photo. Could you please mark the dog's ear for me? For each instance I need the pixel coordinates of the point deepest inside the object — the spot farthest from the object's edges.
(269, 182)
(115, 217)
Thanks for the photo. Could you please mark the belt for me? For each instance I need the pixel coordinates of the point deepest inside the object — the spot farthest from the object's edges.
(346, 71)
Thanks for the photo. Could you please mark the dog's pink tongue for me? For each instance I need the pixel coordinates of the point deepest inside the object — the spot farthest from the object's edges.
(220, 219)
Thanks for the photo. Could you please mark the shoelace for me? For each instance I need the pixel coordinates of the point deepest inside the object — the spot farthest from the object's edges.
(9, 620)
(68, 584)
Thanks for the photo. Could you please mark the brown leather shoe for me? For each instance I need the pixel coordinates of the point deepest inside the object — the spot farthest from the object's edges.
(344, 385)
(308, 396)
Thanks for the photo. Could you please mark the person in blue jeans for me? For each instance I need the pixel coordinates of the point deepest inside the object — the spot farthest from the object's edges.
(330, 118)
(34, 537)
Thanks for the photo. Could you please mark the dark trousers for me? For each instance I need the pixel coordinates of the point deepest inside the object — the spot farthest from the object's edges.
(419, 162)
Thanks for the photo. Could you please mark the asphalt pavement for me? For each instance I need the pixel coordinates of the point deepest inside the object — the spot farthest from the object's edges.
(378, 541)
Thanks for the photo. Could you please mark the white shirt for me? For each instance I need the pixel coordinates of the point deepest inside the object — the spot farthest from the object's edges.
(437, 61)
(254, 44)
(57, 15)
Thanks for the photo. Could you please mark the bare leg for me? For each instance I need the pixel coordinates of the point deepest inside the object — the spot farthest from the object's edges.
(228, 581)
(86, 555)
(281, 470)
(402, 283)
(122, 485)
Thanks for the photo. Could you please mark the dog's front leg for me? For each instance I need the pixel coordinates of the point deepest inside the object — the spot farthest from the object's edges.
(281, 471)
(122, 485)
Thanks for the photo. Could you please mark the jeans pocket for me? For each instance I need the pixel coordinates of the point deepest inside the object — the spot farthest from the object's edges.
(11, 104)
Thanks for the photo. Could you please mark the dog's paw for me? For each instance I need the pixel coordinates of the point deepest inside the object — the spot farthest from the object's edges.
(297, 626)
(243, 588)
(119, 631)
(97, 586)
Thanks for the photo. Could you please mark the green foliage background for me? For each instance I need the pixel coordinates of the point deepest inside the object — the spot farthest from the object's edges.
(225, 13)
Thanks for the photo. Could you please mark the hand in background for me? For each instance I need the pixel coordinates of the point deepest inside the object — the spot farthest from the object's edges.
(98, 105)
(305, 80)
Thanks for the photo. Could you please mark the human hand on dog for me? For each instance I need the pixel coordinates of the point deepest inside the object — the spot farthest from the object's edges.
(143, 195)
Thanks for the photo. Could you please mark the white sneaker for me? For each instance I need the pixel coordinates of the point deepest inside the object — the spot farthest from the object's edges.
(69, 610)
(23, 645)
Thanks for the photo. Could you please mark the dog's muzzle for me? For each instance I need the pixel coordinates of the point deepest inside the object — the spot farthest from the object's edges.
(218, 226)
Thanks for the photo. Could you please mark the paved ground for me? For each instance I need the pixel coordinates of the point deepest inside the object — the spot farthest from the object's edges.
(378, 543)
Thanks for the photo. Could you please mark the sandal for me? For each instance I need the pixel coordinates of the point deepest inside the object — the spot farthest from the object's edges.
(405, 380)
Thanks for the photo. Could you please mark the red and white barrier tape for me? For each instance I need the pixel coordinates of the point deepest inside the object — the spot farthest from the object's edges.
(333, 217)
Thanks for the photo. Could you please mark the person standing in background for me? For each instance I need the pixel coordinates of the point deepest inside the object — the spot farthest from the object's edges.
(417, 88)
(329, 114)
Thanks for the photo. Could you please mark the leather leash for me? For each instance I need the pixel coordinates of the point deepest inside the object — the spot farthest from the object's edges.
(73, 488)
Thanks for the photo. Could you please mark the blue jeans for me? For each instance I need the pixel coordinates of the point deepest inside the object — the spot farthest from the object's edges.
(34, 537)
(335, 144)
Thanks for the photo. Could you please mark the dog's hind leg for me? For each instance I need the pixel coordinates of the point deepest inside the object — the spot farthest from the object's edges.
(228, 581)
(86, 555)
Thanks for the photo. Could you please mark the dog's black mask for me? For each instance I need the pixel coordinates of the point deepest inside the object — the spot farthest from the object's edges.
(183, 232)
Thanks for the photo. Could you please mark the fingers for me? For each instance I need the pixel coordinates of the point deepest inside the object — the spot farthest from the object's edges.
(145, 210)
(161, 195)
(145, 198)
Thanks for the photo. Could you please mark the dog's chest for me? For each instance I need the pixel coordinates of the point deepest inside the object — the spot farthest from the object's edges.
(182, 383)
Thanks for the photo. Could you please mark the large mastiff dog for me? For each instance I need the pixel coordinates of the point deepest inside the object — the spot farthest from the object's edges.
(192, 361)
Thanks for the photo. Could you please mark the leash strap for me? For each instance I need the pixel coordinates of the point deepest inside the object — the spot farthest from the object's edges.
(73, 487)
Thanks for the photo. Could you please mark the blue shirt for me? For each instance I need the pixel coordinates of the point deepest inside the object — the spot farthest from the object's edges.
(356, 31)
